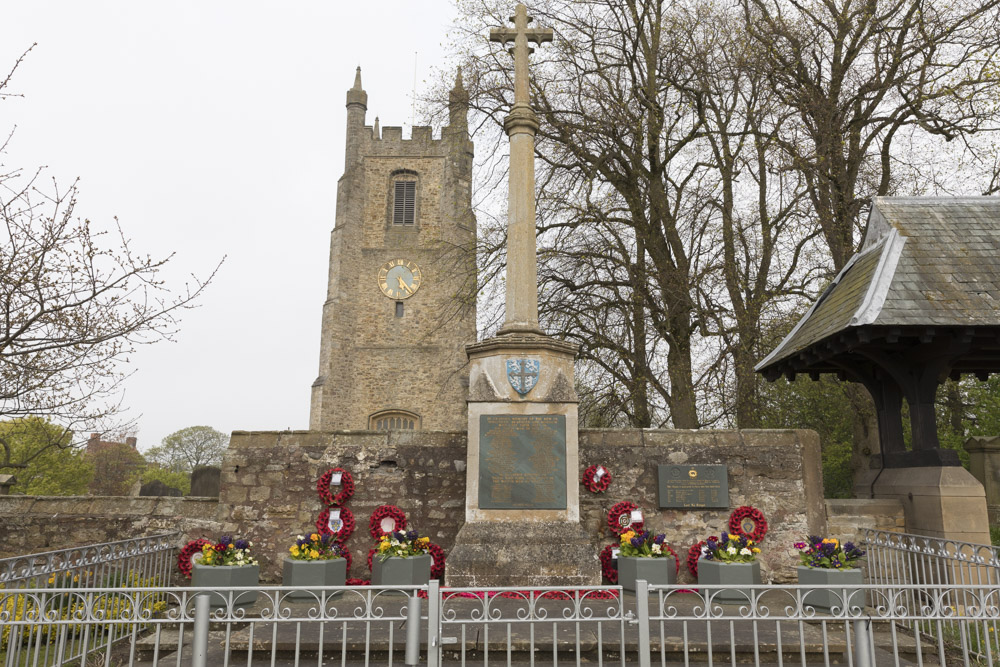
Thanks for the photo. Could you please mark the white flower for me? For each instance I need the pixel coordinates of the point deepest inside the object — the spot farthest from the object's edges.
(657, 549)
(744, 551)
(731, 551)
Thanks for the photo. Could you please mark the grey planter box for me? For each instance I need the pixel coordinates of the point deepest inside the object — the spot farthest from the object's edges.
(659, 571)
(220, 576)
(412, 571)
(312, 574)
(741, 575)
(826, 600)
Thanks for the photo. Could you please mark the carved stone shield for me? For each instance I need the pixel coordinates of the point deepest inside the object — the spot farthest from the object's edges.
(523, 374)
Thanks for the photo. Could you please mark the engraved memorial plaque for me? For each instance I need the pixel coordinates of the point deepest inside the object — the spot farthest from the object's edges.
(693, 487)
(522, 462)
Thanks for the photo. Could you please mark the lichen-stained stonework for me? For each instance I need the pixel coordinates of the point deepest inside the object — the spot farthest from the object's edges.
(372, 359)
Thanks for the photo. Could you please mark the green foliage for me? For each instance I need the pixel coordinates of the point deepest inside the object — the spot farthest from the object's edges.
(190, 447)
(824, 407)
(116, 468)
(177, 479)
(53, 467)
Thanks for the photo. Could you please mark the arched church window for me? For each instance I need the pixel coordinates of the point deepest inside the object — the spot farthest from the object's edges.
(394, 420)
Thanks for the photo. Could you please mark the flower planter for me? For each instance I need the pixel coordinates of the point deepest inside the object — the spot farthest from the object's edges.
(394, 571)
(660, 571)
(742, 575)
(309, 575)
(825, 601)
(221, 576)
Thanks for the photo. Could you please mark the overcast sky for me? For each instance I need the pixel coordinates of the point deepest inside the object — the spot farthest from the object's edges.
(215, 128)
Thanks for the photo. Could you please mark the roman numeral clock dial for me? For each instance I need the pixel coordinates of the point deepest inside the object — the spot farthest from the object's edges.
(399, 278)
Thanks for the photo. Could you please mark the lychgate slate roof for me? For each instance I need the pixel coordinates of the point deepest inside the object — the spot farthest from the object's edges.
(925, 262)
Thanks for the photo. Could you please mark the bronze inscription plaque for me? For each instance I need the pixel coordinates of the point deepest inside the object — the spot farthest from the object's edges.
(522, 462)
(694, 486)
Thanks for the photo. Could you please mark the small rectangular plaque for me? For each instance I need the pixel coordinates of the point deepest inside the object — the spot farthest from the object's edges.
(696, 486)
(522, 462)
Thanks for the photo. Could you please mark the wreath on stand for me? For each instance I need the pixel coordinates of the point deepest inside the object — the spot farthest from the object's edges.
(346, 528)
(620, 518)
(694, 555)
(592, 482)
(386, 512)
(608, 570)
(326, 496)
(749, 522)
(437, 561)
(185, 558)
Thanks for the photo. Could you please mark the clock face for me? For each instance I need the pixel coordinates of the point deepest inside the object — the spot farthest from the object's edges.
(399, 278)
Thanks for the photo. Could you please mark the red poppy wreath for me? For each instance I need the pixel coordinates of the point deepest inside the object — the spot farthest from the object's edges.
(346, 524)
(608, 569)
(596, 483)
(188, 552)
(326, 496)
(694, 555)
(437, 561)
(620, 517)
(748, 521)
(386, 512)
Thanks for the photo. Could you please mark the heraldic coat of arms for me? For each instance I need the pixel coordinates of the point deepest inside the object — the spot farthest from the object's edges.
(523, 374)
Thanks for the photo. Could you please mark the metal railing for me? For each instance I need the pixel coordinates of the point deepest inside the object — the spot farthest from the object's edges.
(40, 591)
(659, 625)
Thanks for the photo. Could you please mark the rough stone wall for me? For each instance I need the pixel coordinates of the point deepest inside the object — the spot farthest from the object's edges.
(848, 519)
(30, 524)
(778, 472)
(268, 492)
(370, 359)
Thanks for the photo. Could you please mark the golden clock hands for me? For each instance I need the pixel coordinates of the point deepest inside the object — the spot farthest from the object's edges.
(403, 286)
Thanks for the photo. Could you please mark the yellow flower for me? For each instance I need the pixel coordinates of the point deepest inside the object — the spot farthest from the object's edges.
(830, 540)
(314, 537)
(384, 546)
(756, 550)
(294, 550)
(627, 536)
(314, 554)
(423, 540)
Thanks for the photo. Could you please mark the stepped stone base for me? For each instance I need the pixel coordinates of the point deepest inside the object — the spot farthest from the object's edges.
(520, 553)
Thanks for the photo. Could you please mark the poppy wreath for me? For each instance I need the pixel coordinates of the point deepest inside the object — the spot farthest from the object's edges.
(607, 569)
(743, 517)
(694, 555)
(346, 487)
(371, 554)
(617, 511)
(354, 581)
(600, 485)
(677, 559)
(385, 512)
(189, 551)
(346, 530)
(437, 561)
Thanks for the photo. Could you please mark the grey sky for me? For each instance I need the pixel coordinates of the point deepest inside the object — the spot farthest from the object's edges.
(210, 129)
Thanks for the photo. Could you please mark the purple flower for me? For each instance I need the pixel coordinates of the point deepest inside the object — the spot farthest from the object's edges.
(241, 544)
(399, 535)
(637, 541)
(800, 545)
(412, 535)
(225, 540)
(659, 539)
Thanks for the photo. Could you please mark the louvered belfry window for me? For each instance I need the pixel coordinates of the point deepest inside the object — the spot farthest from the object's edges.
(404, 203)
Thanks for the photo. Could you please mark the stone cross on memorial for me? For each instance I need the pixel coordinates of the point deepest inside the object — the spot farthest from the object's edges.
(521, 313)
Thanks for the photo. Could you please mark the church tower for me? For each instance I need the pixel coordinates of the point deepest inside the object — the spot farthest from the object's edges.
(400, 305)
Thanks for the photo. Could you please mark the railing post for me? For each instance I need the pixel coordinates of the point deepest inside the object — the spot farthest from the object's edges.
(862, 643)
(642, 618)
(412, 630)
(433, 623)
(199, 645)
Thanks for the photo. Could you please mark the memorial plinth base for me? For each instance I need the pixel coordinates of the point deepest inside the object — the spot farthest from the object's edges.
(523, 554)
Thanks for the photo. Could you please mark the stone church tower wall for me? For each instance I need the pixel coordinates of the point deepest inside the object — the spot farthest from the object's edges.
(402, 354)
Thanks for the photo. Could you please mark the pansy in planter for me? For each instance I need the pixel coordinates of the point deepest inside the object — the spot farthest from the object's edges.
(643, 555)
(730, 548)
(314, 562)
(402, 559)
(228, 563)
(828, 553)
(732, 560)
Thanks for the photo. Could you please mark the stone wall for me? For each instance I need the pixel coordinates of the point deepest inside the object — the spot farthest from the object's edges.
(848, 519)
(30, 524)
(268, 491)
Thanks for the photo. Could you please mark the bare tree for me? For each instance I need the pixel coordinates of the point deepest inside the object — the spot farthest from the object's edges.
(74, 305)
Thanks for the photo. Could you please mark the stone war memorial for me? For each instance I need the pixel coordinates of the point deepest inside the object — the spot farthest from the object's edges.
(477, 445)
